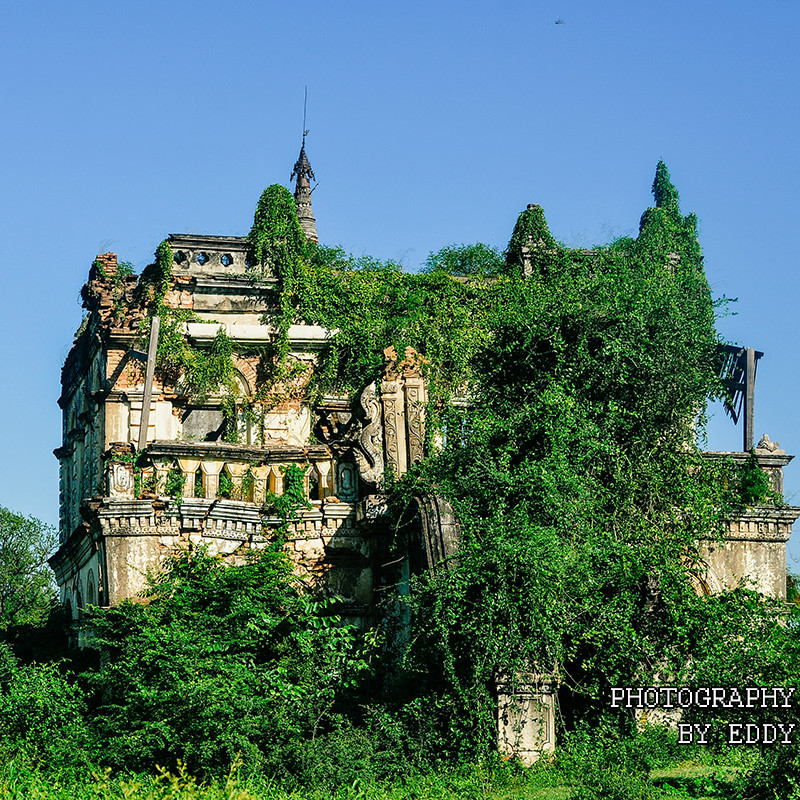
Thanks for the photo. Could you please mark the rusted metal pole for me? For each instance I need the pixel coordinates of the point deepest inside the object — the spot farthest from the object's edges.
(148, 383)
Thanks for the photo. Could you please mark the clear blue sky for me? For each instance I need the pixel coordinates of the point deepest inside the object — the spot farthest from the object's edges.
(431, 123)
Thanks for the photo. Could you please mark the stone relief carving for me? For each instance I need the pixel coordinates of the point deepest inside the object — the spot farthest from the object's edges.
(526, 715)
(415, 419)
(290, 427)
(336, 427)
(368, 451)
(120, 480)
(394, 426)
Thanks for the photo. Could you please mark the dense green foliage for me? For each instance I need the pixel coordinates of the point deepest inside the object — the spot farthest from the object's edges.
(43, 718)
(280, 248)
(575, 470)
(154, 281)
(463, 260)
(26, 586)
(218, 661)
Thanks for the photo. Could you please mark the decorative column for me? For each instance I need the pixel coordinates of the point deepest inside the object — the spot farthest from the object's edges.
(211, 471)
(415, 398)
(188, 467)
(261, 483)
(162, 470)
(394, 424)
(323, 469)
(237, 471)
(277, 479)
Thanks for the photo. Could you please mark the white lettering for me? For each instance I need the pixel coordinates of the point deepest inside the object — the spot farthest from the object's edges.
(685, 732)
(786, 731)
(734, 733)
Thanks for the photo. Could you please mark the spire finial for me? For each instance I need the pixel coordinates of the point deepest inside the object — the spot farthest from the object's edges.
(302, 190)
(305, 105)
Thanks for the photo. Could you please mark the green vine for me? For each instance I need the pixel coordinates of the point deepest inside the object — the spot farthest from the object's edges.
(155, 280)
(280, 248)
(174, 483)
(226, 488)
(531, 241)
(285, 506)
(754, 485)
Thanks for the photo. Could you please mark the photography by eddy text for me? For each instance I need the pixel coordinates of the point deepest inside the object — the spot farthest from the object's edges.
(677, 698)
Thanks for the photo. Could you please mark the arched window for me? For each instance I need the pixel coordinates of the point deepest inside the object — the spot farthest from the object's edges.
(222, 416)
(313, 486)
(91, 599)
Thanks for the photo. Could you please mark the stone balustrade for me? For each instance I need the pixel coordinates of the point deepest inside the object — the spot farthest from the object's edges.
(238, 472)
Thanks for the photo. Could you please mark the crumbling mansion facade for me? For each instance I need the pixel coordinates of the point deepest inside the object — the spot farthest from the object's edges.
(145, 467)
(130, 437)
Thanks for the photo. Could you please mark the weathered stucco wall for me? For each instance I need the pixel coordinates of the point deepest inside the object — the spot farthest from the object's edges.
(753, 553)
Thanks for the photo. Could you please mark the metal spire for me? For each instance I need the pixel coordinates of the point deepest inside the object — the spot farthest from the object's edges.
(302, 190)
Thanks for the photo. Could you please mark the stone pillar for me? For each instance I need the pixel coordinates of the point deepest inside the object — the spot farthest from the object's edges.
(323, 469)
(162, 470)
(394, 417)
(211, 471)
(188, 467)
(277, 479)
(415, 398)
(261, 483)
(526, 715)
(237, 472)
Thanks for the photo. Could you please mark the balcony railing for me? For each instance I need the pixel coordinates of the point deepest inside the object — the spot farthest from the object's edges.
(237, 472)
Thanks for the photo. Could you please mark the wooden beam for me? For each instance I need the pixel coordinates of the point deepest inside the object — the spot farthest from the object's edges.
(750, 387)
(148, 382)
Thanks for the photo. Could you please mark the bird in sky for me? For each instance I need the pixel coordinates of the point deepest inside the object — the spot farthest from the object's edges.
(560, 22)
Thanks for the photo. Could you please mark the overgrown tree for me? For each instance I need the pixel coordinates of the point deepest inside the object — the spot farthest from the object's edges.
(466, 259)
(216, 661)
(27, 591)
(579, 483)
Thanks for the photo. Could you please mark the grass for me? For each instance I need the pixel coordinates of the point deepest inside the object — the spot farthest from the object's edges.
(703, 778)
(690, 781)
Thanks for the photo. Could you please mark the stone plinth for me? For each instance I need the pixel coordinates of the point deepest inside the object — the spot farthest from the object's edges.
(526, 724)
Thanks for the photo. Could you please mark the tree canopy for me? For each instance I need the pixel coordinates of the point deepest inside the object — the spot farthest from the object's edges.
(27, 591)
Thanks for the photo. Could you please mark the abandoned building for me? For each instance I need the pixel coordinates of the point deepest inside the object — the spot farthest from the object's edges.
(144, 467)
(117, 517)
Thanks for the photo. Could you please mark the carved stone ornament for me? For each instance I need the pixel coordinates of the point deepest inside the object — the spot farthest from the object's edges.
(336, 428)
(120, 480)
(766, 446)
(368, 451)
